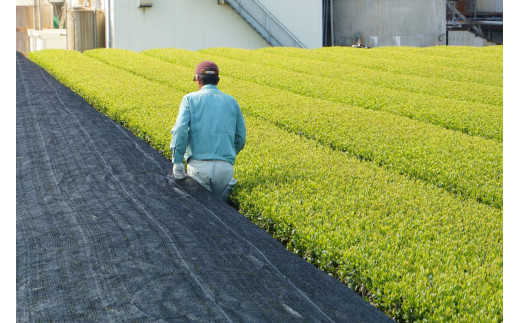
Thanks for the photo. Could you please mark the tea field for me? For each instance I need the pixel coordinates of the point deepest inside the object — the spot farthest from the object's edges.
(382, 167)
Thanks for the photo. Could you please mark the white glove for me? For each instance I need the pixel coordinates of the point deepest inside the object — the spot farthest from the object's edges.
(178, 171)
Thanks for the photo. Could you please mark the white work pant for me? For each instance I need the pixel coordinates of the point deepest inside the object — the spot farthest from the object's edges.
(215, 175)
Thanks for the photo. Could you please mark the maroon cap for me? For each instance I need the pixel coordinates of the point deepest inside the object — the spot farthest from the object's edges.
(206, 67)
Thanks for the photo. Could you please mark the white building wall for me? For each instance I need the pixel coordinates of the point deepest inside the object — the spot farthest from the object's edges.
(303, 18)
(188, 24)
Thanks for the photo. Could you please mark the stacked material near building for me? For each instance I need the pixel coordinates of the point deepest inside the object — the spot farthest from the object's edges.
(86, 28)
(31, 14)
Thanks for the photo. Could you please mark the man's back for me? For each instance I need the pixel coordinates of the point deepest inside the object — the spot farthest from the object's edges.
(214, 125)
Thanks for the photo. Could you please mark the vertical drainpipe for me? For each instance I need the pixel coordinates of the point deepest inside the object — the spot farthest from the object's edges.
(34, 13)
(109, 24)
(326, 22)
(332, 22)
(323, 24)
(37, 15)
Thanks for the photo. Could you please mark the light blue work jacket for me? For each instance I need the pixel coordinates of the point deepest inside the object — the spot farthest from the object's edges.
(210, 125)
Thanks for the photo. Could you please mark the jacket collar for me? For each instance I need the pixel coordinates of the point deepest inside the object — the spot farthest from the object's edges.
(208, 87)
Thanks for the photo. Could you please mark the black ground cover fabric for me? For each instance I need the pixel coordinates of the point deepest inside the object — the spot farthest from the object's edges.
(104, 234)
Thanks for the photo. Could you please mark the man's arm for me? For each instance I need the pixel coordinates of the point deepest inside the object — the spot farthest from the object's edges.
(179, 132)
(240, 134)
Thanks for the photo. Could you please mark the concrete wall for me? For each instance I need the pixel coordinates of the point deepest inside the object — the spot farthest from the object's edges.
(303, 18)
(466, 38)
(187, 24)
(416, 23)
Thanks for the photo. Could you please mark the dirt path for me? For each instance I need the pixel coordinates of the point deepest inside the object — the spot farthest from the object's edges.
(103, 234)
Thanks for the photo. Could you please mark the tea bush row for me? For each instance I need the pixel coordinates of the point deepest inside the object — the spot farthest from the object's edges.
(468, 117)
(466, 165)
(141, 105)
(483, 59)
(346, 71)
(414, 250)
(378, 59)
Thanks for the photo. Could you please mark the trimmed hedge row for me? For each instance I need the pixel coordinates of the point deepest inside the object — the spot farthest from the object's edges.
(414, 250)
(346, 71)
(461, 164)
(457, 57)
(468, 117)
(377, 59)
(141, 105)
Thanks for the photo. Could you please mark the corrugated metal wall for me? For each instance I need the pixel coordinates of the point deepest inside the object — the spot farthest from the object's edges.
(490, 6)
(375, 23)
(85, 29)
(470, 7)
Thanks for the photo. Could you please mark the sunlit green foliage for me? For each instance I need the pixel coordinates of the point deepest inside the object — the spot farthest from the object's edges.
(327, 180)
(308, 62)
(468, 116)
(462, 164)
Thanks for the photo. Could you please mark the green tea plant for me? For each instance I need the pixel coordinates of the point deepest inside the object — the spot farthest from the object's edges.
(463, 91)
(465, 165)
(487, 59)
(376, 59)
(141, 105)
(469, 117)
(414, 250)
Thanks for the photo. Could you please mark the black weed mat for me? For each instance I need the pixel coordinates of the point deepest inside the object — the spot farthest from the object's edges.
(104, 234)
